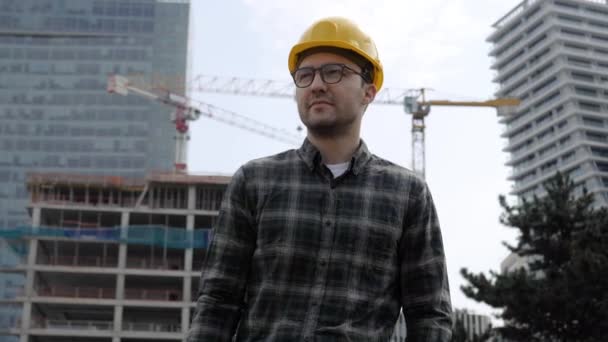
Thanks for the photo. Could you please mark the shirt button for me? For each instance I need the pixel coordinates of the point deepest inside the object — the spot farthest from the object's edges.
(323, 262)
(328, 223)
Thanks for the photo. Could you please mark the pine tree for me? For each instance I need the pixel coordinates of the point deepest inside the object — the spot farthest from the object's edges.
(563, 294)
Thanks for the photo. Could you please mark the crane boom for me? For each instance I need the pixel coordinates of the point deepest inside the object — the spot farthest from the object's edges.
(185, 111)
(276, 89)
(489, 103)
(409, 99)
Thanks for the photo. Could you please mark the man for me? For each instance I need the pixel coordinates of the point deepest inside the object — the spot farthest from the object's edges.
(327, 242)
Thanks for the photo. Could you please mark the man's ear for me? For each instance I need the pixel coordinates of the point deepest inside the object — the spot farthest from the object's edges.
(369, 93)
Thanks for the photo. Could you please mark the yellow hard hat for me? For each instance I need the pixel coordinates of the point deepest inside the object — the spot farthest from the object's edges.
(340, 33)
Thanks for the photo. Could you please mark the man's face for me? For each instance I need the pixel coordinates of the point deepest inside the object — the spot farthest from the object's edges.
(333, 109)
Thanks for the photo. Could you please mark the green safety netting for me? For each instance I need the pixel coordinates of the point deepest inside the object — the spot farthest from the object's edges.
(160, 236)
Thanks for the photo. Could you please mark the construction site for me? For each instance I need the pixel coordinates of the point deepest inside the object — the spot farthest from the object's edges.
(117, 258)
(109, 258)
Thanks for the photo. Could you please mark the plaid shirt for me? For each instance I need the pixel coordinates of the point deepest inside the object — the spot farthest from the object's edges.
(300, 256)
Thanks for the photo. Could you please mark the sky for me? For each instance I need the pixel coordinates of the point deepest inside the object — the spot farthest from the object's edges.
(436, 44)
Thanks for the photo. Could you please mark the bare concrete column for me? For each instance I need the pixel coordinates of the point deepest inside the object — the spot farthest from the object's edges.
(191, 197)
(120, 277)
(118, 309)
(185, 320)
(187, 285)
(30, 274)
(36, 217)
(26, 313)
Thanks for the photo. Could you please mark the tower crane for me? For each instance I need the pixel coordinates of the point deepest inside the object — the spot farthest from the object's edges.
(184, 112)
(419, 107)
(413, 101)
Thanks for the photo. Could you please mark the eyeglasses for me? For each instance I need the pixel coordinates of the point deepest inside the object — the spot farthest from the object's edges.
(330, 74)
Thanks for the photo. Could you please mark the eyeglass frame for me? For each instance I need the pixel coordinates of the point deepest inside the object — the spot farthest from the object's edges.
(364, 74)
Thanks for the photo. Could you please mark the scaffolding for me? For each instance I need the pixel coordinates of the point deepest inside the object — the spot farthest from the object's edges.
(159, 236)
(168, 190)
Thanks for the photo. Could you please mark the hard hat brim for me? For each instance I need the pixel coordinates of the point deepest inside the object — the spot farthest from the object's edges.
(299, 48)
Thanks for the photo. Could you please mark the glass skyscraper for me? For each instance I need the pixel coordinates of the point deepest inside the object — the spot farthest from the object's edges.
(55, 113)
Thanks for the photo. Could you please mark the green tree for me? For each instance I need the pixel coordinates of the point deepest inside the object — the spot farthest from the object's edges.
(563, 295)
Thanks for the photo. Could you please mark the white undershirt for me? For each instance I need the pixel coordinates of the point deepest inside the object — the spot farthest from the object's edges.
(338, 169)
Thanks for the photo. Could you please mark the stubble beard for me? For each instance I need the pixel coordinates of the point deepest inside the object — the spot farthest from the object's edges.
(333, 127)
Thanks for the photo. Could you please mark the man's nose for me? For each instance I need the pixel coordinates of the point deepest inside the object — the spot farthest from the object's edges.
(317, 83)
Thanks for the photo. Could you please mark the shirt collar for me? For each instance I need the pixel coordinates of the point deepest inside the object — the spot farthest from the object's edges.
(312, 157)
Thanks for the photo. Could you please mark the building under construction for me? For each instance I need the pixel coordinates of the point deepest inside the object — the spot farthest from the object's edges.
(109, 258)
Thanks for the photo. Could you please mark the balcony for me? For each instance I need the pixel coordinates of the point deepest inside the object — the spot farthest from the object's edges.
(173, 295)
(152, 327)
(76, 292)
(79, 261)
(173, 264)
(72, 254)
(72, 325)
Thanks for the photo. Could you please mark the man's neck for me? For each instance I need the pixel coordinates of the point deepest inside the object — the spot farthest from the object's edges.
(335, 150)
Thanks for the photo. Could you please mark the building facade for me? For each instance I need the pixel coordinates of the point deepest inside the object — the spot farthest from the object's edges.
(109, 258)
(553, 55)
(55, 113)
(474, 324)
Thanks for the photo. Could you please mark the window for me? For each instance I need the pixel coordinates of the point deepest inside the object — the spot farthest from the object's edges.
(544, 85)
(575, 47)
(98, 8)
(537, 41)
(601, 166)
(589, 121)
(565, 4)
(572, 32)
(568, 156)
(579, 62)
(585, 91)
(599, 152)
(580, 76)
(544, 118)
(598, 24)
(148, 10)
(593, 107)
(136, 10)
(567, 18)
(596, 136)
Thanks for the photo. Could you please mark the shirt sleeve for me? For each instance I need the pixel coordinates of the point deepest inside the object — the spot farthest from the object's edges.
(425, 293)
(225, 271)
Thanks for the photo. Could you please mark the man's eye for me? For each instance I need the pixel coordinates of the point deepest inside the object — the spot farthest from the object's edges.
(332, 72)
(303, 75)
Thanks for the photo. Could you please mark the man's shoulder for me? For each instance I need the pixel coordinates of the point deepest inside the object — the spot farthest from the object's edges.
(379, 164)
(279, 160)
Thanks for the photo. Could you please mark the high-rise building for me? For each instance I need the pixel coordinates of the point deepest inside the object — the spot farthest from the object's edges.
(553, 55)
(474, 324)
(109, 259)
(55, 113)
